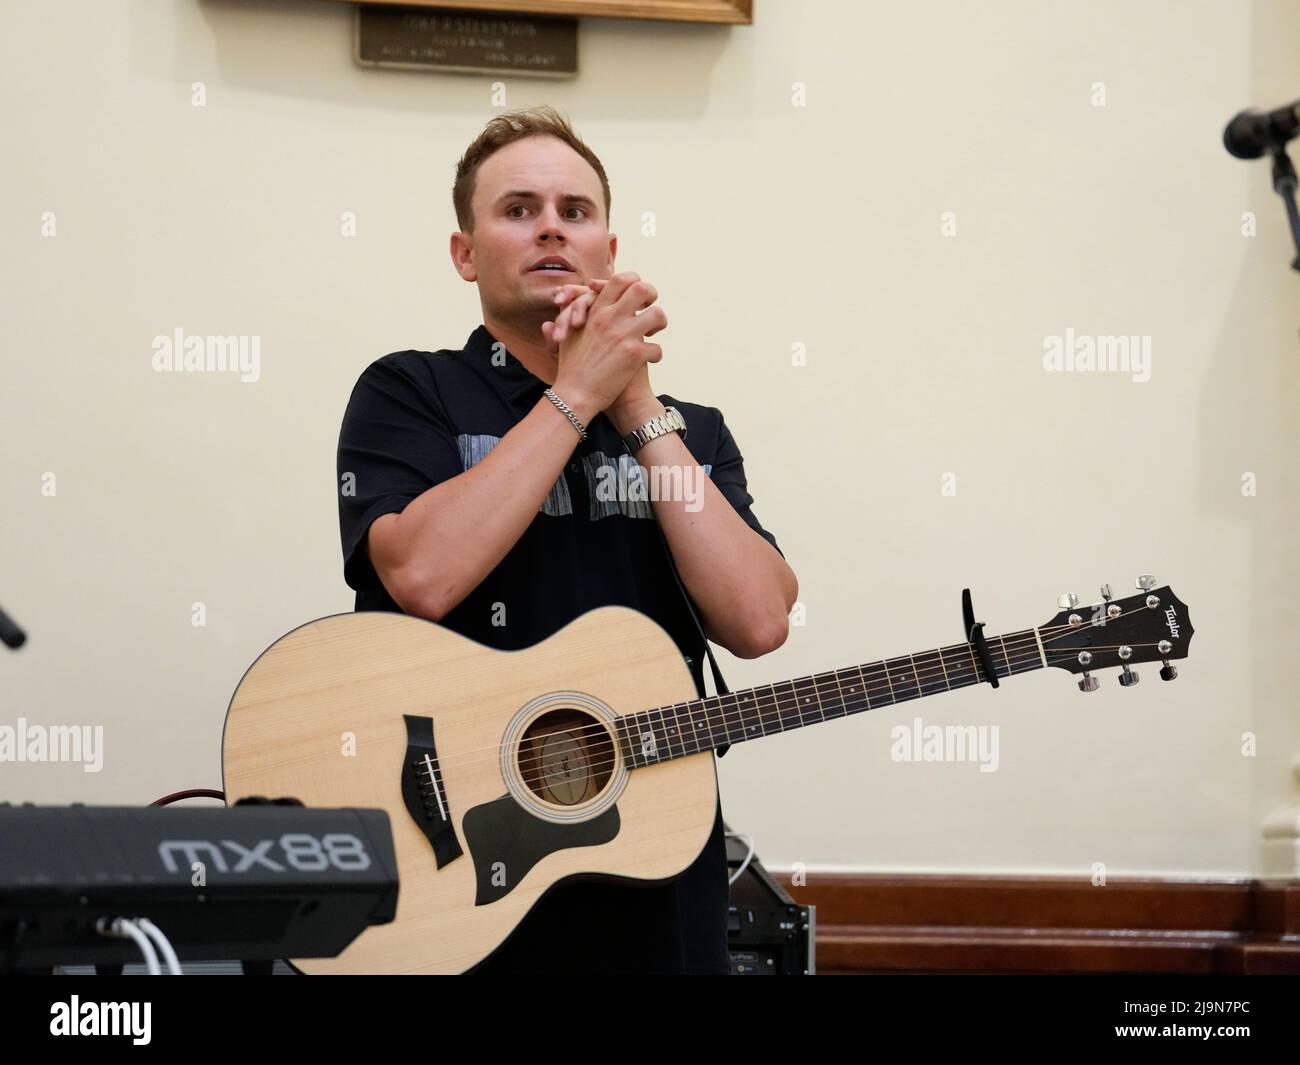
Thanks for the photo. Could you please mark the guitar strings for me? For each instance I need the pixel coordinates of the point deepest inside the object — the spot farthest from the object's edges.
(783, 703)
(808, 716)
(1025, 654)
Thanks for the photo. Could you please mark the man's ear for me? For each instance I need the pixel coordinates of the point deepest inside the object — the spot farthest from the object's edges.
(462, 255)
(613, 251)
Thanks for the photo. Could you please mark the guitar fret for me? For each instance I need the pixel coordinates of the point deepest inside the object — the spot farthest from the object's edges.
(917, 681)
(647, 741)
(785, 697)
(686, 727)
(904, 683)
(959, 668)
(772, 718)
(665, 732)
(947, 683)
(767, 720)
(921, 675)
(832, 692)
(631, 748)
(751, 718)
(827, 696)
(725, 705)
(659, 730)
(663, 747)
(736, 716)
(823, 698)
(676, 737)
(622, 733)
(856, 695)
(810, 701)
(839, 690)
(701, 730)
(892, 697)
(804, 692)
(932, 679)
(877, 682)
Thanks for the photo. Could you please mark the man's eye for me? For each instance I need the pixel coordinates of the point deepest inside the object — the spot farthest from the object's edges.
(510, 210)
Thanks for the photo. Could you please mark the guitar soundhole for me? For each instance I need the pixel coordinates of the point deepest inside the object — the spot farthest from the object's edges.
(566, 757)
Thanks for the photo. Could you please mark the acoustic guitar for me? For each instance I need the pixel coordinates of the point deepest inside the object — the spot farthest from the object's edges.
(587, 755)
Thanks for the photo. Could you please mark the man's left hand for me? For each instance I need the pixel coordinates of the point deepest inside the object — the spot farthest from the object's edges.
(637, 403)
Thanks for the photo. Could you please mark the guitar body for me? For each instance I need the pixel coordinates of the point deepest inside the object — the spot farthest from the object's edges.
(500, 770)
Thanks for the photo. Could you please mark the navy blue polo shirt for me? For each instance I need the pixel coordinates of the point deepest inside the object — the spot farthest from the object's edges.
(417, 418)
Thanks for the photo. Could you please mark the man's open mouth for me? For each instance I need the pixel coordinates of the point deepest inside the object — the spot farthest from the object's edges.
(554, 265)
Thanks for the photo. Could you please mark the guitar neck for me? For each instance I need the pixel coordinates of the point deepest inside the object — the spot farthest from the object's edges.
(651, 736)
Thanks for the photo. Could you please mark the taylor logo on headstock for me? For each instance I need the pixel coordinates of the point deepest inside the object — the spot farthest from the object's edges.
(1125, 632)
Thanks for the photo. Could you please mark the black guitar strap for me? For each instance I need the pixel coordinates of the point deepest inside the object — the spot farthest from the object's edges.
(718, 683)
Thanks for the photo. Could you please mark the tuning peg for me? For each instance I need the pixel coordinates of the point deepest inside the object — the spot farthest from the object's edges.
(1145, 582)
(1168, 672)
(1105, 592)
(1088, 683)
(1067, 601)
(1127, 678)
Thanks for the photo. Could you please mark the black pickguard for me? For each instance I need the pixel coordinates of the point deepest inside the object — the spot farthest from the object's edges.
(505, 841)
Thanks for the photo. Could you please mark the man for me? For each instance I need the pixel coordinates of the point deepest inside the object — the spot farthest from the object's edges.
(477, 497)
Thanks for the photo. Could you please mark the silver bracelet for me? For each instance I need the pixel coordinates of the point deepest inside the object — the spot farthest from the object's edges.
(567, 411)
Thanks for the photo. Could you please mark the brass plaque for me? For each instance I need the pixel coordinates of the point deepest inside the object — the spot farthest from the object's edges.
(475, 42)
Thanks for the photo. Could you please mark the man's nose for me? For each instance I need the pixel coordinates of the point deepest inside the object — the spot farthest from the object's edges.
(550, 224)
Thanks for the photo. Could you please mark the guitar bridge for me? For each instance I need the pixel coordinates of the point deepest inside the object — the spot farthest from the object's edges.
(423, 792)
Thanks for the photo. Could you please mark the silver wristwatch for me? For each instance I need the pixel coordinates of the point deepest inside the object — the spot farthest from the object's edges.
(670, 420)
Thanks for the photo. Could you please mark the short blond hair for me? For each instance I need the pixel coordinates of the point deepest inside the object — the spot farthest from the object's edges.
(506, 129)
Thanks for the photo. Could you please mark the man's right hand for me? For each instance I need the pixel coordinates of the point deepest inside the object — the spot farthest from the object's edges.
(599, 358)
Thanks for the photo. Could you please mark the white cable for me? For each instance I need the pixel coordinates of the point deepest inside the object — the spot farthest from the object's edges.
(164, 946)
(122, 929)
(748, 857)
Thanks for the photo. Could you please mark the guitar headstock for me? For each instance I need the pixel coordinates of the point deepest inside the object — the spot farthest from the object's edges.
(1152, 626)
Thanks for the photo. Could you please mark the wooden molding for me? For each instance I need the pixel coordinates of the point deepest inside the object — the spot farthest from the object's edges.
(881, 923)
(734, 12)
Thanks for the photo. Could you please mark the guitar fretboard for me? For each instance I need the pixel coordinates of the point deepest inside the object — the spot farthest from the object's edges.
(664, 732)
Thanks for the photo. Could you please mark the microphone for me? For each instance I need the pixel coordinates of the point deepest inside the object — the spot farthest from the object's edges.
(10, 634)
(1252, 133)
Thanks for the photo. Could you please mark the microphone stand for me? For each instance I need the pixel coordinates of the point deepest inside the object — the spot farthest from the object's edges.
(10, 634)
(1284, 183)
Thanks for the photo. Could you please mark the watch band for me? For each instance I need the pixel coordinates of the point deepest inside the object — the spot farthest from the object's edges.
(669, 421)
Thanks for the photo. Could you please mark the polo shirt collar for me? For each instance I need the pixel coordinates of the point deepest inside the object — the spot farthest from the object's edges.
(513, 380)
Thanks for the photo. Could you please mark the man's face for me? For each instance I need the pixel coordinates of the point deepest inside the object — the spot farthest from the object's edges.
(533, 199)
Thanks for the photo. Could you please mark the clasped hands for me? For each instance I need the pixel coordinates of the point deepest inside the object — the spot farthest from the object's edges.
(636, 403)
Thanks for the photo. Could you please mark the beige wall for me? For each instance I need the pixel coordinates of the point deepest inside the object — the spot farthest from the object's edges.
(776, 225)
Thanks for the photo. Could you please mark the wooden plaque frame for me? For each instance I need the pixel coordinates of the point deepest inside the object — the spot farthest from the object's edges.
(719, 11)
